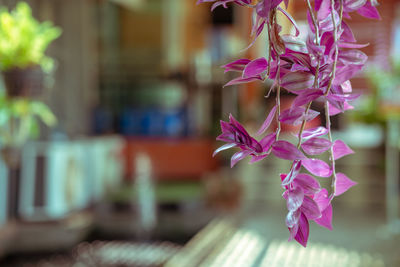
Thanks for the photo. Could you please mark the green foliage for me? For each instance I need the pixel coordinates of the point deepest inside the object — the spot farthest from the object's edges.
(19, 119)
(23, 40)
(385, 86)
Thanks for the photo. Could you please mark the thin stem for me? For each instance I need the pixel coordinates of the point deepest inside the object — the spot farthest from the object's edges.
(327, 116)
(269, 51)
(335, 37)
(278, 99)
(314, 22)
(332, 159)
(316, 78)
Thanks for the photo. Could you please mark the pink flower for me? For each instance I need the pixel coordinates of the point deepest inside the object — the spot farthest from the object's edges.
(235, 135)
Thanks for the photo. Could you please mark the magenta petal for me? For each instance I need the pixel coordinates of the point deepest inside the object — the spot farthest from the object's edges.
(224, 147)
(292, 116)
(343, 183)
(314, 132)
(347, 35)
(294, 171)
(346, 87)
(317, 167)
(293, 231)
(310, 209)
(309, 184)
(352, 5)
(237, 124)
(292, 218)
(267, 141)
(267, 121)
(238, 156)
(322, 199)
(295, 199)
(346, 73)
(241, 80)
(237, 65)
(257, 158)
(352, 45)
(324, 9)
(326, 24)
(326, 219)
(352, 56)
(296, 115)
(340, 149)
(303, 231)
(299, 80)
(285, 150)
(306, 97)
(296, 44)
(334, 111)
(369, 11)
(316, 146)
(255, 67)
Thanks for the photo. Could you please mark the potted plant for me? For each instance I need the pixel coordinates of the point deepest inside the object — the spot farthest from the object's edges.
(23, 42)
(19, 121)
(23, 63)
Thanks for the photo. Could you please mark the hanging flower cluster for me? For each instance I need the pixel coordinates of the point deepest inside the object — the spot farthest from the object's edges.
(317, 69)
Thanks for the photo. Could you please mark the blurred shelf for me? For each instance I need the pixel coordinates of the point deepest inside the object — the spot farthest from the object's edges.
(55, 235)
(7, 234)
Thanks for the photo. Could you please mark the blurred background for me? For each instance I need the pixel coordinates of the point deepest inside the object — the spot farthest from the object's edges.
(126, 176)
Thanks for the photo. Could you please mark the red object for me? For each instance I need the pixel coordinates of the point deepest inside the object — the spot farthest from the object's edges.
(172, 158)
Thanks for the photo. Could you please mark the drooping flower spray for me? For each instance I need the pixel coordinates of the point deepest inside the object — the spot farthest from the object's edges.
(318, 69)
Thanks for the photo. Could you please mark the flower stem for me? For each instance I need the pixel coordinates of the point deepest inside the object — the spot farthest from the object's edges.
(278, 99)
(332, 159)
(327, 116)
(316, 78)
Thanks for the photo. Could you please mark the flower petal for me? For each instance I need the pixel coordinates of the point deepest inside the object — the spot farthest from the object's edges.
(310, 209)
(340, 149)
(255, 67)
(306, 97)
(257, 158)
(299, 80)
(237, 65)
(309, 184)
(224, 147)
(294, 171)
(326, 219)
(343, 183)
(353, 56)
(285, 150)
(317, 167)
(369, 11)
(238, 156)
(316, 146)
(295, 199)
(241, 80)
(322, 199)
(267, 121)
(303, 231)
(334, 111)
(292, 218)
(267, 141)
(296, 115)
(314, 132)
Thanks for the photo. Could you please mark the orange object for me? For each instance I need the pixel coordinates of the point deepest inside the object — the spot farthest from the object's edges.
(172, 158)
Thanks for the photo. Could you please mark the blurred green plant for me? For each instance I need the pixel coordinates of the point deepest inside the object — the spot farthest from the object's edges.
(19, 119)
(384, 101)
(24, 40)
